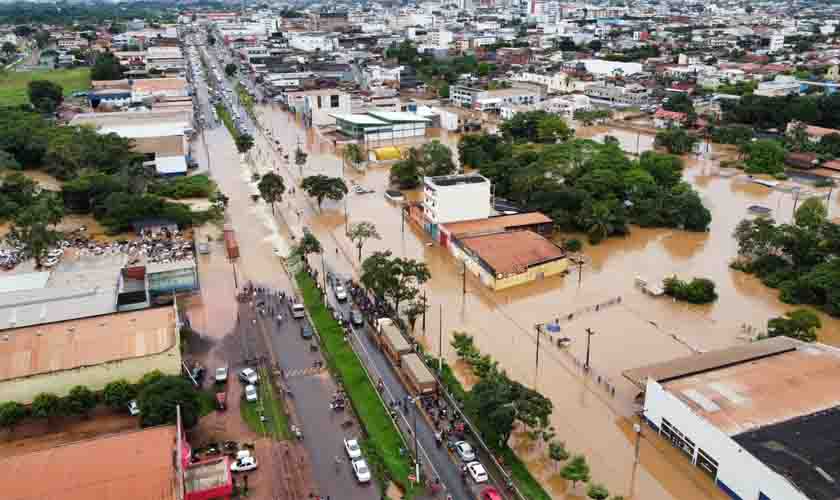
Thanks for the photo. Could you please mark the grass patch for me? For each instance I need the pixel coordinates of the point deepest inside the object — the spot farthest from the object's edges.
(250, 414)
(227, 120)
(206, 402)
(245, 98)
(13, 84)
(278, 422)
(383, 436)
(193, 186)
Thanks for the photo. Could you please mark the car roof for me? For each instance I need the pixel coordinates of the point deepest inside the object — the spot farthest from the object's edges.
(491, 493)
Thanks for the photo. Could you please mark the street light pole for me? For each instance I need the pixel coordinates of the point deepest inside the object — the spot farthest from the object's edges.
(464, 277)
(589, 334)
(440, 340)
(235, 280)
(416, 456)
(538, 328)
(424, 313)
(324, 272)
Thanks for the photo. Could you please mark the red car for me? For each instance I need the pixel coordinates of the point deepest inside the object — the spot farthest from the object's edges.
(490, 493)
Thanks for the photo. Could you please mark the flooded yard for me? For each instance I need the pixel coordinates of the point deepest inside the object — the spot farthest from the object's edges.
(592, 412)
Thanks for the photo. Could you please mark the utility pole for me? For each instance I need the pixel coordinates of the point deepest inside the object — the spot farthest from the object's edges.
(440, 340)
(424, 312)
(235, 280)
(402, 220)
(324, 272)
(464, 278)
(416, 456)
(795, 201)
(589, 334)
(346, 218)
(538, 328)
(580, 270)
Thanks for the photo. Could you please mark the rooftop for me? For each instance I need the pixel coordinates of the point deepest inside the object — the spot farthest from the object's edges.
(134, 464)
(765, 391)
(513, 252)
(803, 450)
(358, 119)
(22, 308)
(453, 180)
(495, 224)
(418, 369)
(24, 281)
(86, 342)
(158, 84)
(207, 475)
(398, 116)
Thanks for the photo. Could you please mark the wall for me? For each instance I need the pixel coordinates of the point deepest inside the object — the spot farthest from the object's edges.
(740, 471)
(533, 273)
(456, 203)
(95, 377)
(172, 145)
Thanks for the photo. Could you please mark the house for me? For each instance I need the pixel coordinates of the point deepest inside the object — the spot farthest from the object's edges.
(511, 55)
(495, 100)
(158, 88)
(313, 41)
(756, 418)
(90, 351)
(621, 95)
(454, 198)
(781, 86)
(667, 119)
(165, 60)
(815, 134)
(319, 105)
(804, 161)
(376, 126)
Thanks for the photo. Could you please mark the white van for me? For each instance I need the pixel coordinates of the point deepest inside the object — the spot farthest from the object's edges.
(298, 311)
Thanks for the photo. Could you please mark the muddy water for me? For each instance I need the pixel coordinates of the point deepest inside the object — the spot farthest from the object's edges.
(591, 412)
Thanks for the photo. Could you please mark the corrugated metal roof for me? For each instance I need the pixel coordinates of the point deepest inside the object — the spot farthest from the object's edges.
(171, 165)
(418, 369)
(513, 252)
(25, 281)
(38, 306)
(493, 224)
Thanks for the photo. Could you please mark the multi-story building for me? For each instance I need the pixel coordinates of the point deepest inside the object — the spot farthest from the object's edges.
(165, 60)
(314, 41)
(454, 198)
(627, 95)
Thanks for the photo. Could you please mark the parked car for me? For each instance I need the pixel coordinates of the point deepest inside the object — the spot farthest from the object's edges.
(360, 469)
(351, 446)
(251, 393)
(298, 311)
(394, 195)
(477, 472)
(133, 408)
(305, 331)
(340, 293)
(249, 376)
(465, 451)
(244, 464)
(356, 318)
(221, 374)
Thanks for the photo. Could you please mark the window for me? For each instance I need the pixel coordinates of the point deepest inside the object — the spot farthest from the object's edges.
(334, 100)
(319, 102)
(678, 439)
(707, 464)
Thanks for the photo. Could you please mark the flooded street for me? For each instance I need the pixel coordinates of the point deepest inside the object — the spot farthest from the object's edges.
(591, 412)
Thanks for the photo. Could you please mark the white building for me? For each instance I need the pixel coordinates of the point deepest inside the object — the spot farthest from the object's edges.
(781, 86)
(439, 39)
(454, 198)
(319, 104)
(759, 418)
(555, 82)
(601, 67)
(165, 59)
(777, 43)
(314, 41)
(495, 100)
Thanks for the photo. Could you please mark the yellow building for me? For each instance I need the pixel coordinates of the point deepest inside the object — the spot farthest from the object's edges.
(92, 352)
(510, 258)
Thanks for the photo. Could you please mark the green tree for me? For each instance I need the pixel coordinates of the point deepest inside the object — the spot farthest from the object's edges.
(158, 402)
(271, 188)
(8, 161)
(353, 154)
(406, 173)
(665, 169)
(211, 40)
(597, 492)
(553, 128)
(9, 48)
(430, 160)
(491, 399)
(415, 309)
(244, 142)
(811, 214)
(576, 470)
(42, 39)
(46, 405)
(79, 402)
(360, 232)
(800, 324)
(679, 102)
(321, 187)
(118, 394)
(443, 91)
(830, 145)
(764, 156)
(676, 140)
(106, 67)
(309, 244)
(230, 69)
(698, 291)
(23, 30)
(45, 96)
(557, 452)
(148, 379)
(33, 226)
(11, 414)
(391, 277)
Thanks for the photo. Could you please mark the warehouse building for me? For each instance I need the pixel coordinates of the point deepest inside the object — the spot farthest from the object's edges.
(92, 352)
(760, 419)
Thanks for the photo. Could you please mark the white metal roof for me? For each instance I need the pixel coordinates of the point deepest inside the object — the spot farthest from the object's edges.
(25, 281)
(139, 131)
(358, 119)
(171, 165)
(398, 116)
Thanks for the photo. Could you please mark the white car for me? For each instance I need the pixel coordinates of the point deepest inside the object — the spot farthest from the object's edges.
(477, 472)
(394, 195)
(244, 464)
(221, 374)
(360, 468)
(340, 293)
(250, 393)
(249, 376)
(351, 446)
(133, 408)
(465, 451)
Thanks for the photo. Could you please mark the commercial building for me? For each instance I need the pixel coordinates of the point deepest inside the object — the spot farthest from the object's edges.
(92, 352)
(319, 105)
(509, 258)
(313, 41)
(453, 198)
(760, 419)
(165, 60)
(158, 88)
(495, 100)
(603, 68)
(375, 126)
(625, 95)
(781, 86)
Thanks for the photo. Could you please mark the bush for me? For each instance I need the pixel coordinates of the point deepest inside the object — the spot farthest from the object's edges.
(194, 186)
(800, 324)
(46, 405)
(158, 400)
(80, 401)
(11, 413)
(572, 245)
(698, 291)
(118, 394)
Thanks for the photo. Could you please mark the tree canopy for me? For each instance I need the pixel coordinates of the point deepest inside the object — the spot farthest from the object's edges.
(429, 160)
(45, 96)
(106, 66)
(158, 401)
(322, 187)
(800, 324)
(395, 278)
(536, 126)
(33, 226)
(271, 188)
(676, 140)
(360, 232)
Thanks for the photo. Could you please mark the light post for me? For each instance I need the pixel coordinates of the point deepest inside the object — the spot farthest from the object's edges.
(538, 327)
(589, 334)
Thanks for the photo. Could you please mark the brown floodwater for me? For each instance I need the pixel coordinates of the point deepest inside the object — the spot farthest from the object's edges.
(593, 414)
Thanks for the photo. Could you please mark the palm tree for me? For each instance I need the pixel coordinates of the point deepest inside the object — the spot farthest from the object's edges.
(599, 222)
(353, 154)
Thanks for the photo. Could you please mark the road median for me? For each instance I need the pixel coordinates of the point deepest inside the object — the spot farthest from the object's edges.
(382, 435)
